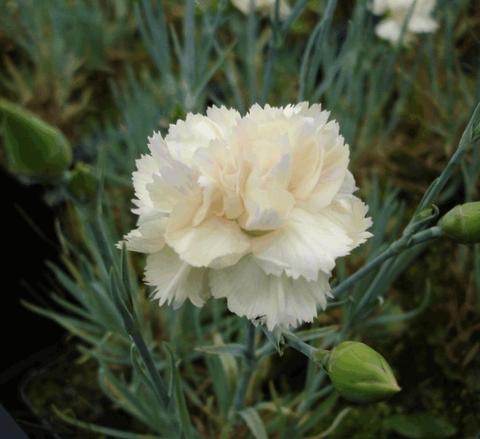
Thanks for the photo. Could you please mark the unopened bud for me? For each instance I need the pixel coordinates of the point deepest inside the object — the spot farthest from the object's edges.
(33, 148)
(360, 374)
(462, 223)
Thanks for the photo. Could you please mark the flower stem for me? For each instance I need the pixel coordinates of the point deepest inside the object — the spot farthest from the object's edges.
(317, 355)
(469, 136)
(394, 249)
(299, 345)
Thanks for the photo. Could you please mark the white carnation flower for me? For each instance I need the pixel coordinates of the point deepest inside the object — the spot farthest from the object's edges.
(255, 209)
(396, 15)
(263, 6)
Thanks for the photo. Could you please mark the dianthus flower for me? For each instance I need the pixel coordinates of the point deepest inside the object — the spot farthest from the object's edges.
(263, 6)
(254, 209)
(415, 15)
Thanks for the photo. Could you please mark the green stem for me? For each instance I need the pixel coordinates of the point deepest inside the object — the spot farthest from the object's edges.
(469, 136)
(299, 345)
(315, 354)
(395, 248)
(373, 291)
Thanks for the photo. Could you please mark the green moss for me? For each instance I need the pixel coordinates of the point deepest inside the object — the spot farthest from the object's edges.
(71, 384)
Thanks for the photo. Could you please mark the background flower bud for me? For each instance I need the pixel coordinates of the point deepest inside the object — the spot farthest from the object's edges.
(360, 374)
(82, 182)
(462, 223)
(33, 148)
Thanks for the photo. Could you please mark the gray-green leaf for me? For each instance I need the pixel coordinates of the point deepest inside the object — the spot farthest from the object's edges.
(254, 423)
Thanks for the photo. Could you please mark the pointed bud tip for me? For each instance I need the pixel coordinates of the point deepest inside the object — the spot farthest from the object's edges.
(360, 374)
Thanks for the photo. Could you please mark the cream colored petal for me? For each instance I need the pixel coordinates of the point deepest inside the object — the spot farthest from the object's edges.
(400, 6)
(348, 186)
(146, 167)
(307, 244)
(196, 131)
(314, 112)
(211, 201)
(268, 144)
(307, 161)
(214, 243)
(334, 170)
(242, 5)
(263, 6)
(225, 118)
(164, 194)
(422, 24)
(170, 182)
(350, 213)
(233, 205)
(389, 30)
(184, 212)
(266, 209)
(148, 237)
(174, 280)
(285, 9)
(259, 115)
(266, 198)
(222, 168)
(425, 7)
(379, 7)
(274, 300)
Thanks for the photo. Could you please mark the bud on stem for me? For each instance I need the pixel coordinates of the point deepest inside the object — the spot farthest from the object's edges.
(360, 374)
(33, 147)
(462, 223)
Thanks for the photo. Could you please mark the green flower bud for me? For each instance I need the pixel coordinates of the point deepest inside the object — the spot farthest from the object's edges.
(82, 183)
(360, 374)
(462, 223)
(33, 148)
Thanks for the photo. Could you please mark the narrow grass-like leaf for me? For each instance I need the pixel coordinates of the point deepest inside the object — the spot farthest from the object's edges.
(387, 319)
(254, 422)
(180, 403)
(99, 429)
(235, 349)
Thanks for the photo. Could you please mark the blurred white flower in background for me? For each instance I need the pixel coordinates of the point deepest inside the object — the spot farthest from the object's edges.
(396, 14)
(263, 6)
(255, 209)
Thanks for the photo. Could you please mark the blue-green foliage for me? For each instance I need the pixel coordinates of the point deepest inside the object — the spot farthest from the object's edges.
(160, 366)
